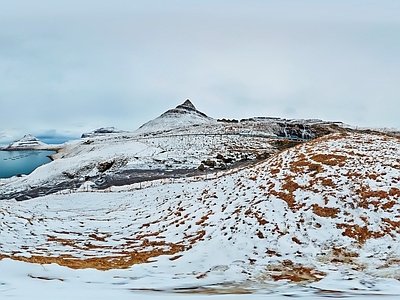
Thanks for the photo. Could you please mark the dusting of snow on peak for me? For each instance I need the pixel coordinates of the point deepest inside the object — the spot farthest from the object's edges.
(183, 115)
(187, 105)
(28, 142)
(102, 132)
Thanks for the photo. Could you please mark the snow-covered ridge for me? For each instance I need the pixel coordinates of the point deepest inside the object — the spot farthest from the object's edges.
(103, 131)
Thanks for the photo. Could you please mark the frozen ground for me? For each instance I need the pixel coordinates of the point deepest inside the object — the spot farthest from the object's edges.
(20, 280)
(317, 220)
(321, 219)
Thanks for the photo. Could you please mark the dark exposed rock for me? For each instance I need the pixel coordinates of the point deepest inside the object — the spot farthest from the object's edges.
(264, 155)
(210, 163)
(222, 166)
(69, 175)
(227, 160)
(219, 156)
(104, 166)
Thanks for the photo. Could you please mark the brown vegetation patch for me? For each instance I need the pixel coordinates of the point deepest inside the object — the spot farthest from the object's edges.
(305, 166)
(76, 244)
(328, 182)
(375, 198)
(315, 168)
(290, 185)
(296, 240)
(288, 198)
(299, 163)
(260, 220)
(204, 218)
(395, 224)
(327, 212)
(195, 237)
(123, 260)
(388, 205)
(394, 192)
(344, 252)
(272, 253)
(294, 272)
(373, 194)
(342, 256)
(360, 234)
(274, 171)
(330, 159)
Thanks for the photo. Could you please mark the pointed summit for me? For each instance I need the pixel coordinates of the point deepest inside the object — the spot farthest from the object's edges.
(184, 114)
(187, 105)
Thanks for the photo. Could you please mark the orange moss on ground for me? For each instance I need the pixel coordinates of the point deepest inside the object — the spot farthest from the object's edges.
(329, 159)
(123, 260)
(290, 185)
(327, 212)
(294, 272)
(360, 234)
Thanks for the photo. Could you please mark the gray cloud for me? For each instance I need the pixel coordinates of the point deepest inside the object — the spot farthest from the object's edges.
(78, 65)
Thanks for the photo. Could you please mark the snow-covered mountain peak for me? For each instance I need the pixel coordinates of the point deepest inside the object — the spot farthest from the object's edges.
(27, 142)
(182, 115)
(187, 105)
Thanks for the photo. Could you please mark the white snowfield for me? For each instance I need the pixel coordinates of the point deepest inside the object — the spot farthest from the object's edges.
(321, 219)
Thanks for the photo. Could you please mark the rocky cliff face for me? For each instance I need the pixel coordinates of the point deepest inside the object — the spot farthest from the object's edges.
(28, 142)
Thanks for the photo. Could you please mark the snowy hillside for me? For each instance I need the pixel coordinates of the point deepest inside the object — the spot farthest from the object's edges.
(107, 158)
(183, 115)
(261, 205)
(324, 214)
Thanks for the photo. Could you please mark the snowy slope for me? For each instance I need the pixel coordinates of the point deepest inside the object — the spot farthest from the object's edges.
(324, 214)
(183, 115)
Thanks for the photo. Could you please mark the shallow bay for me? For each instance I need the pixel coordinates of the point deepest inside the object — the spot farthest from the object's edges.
(22, 162)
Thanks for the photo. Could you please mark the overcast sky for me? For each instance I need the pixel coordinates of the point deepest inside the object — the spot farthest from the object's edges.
(68, 67)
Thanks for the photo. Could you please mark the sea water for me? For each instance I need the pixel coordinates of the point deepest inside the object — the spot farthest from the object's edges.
(22, 162)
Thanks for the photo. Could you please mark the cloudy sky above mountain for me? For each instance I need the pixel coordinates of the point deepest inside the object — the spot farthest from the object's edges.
(67, 67)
